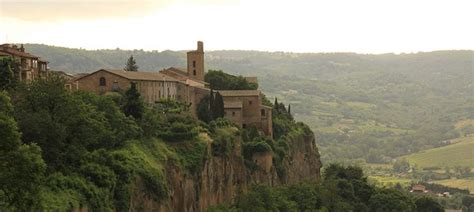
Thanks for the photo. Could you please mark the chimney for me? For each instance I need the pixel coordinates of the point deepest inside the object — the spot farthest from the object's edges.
(22, 49)
(200, 46)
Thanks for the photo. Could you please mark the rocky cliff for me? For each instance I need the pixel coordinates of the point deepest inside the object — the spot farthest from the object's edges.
(223, 178)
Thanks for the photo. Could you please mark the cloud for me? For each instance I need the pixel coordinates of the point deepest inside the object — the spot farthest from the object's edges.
(53, 10)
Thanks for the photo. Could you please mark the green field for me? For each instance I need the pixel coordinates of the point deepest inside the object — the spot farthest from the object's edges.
(461, 153)
(458, 183)
(388, 181)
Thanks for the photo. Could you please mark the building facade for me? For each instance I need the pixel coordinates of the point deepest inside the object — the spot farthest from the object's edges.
(242, 107)
(152, 86)
(245, 108)
(31, 66)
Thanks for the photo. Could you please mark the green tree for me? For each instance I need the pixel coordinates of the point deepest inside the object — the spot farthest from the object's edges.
(212, 99)
(7, 77)
(428, 204)
(203, 110)
(401, 166)
(62, 124)
(131, 64)
(21, 166)
(391, 200)
(218, 109)
(220, 80)
(133, 106)
(305, 195)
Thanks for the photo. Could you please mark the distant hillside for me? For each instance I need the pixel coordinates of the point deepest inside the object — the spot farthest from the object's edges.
(361, 106)
(461, 153)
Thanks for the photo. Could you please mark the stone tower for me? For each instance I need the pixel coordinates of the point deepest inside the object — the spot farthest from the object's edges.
(196, 62)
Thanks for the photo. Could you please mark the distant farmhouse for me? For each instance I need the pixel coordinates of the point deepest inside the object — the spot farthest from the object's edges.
(243, 107)
(31, 66)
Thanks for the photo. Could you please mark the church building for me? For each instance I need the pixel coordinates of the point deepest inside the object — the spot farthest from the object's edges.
(243, 107)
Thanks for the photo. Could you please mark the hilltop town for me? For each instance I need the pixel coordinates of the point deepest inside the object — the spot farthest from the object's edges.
(199, 143)
(186, 85)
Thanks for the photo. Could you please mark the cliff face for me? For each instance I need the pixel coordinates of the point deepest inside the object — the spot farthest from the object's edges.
(223, 178)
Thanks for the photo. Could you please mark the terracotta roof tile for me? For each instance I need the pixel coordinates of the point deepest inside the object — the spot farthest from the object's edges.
(138, 75)
(17, 53)
(181, 74)
(141, 75)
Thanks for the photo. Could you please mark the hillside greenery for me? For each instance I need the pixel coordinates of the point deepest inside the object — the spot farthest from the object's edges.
(362, 107)
(341, 189)
(64, 150)
(460, 153)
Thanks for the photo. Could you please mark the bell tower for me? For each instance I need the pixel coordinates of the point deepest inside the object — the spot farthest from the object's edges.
(196, 62)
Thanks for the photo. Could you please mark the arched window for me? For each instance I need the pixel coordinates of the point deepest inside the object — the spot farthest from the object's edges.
(102, 81)
(262, 112)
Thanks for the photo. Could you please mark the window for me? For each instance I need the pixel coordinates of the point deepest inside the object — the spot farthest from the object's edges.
(115, 86)
(243, 126)
(194, 72)
(250, 102)
(233, 113)
(262, 112)
(102, 81)
(194, 64)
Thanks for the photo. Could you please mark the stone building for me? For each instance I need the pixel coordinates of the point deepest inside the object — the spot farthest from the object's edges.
(243, 107)
(31, 66)
(152, 86)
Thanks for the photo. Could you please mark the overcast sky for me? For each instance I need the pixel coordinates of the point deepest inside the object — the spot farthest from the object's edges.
(363, 26)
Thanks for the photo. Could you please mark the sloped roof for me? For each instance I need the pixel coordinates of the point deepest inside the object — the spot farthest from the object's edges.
(4, 54)
(15, 52)
(137, 75)
(182, 75)
(179, 70)
(234, 104)
(239, 92)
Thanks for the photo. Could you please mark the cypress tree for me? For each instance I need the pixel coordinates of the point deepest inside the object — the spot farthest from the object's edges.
(133, 104)
(275, 105)
(211, 105)
(131, 64)
(218, 106)
(203, 112)
(289, 109)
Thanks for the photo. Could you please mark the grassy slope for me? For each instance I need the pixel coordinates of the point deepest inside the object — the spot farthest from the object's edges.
(461, 153)
(458, 183)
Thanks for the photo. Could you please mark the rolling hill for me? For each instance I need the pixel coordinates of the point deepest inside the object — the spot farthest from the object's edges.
(460, 153)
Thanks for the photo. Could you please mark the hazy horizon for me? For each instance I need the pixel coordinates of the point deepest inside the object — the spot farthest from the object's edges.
(366, 26)
(273, 51)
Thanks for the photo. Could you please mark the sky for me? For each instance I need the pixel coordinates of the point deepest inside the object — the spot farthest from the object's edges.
(362, 26)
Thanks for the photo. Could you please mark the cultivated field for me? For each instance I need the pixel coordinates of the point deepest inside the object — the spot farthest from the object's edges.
(460, 153)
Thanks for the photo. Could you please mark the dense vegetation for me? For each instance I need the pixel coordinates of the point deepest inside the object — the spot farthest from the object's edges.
(342, 189)
(63, 150)
(369, 107)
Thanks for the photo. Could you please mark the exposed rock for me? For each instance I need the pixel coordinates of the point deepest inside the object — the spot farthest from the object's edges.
(223, 178)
